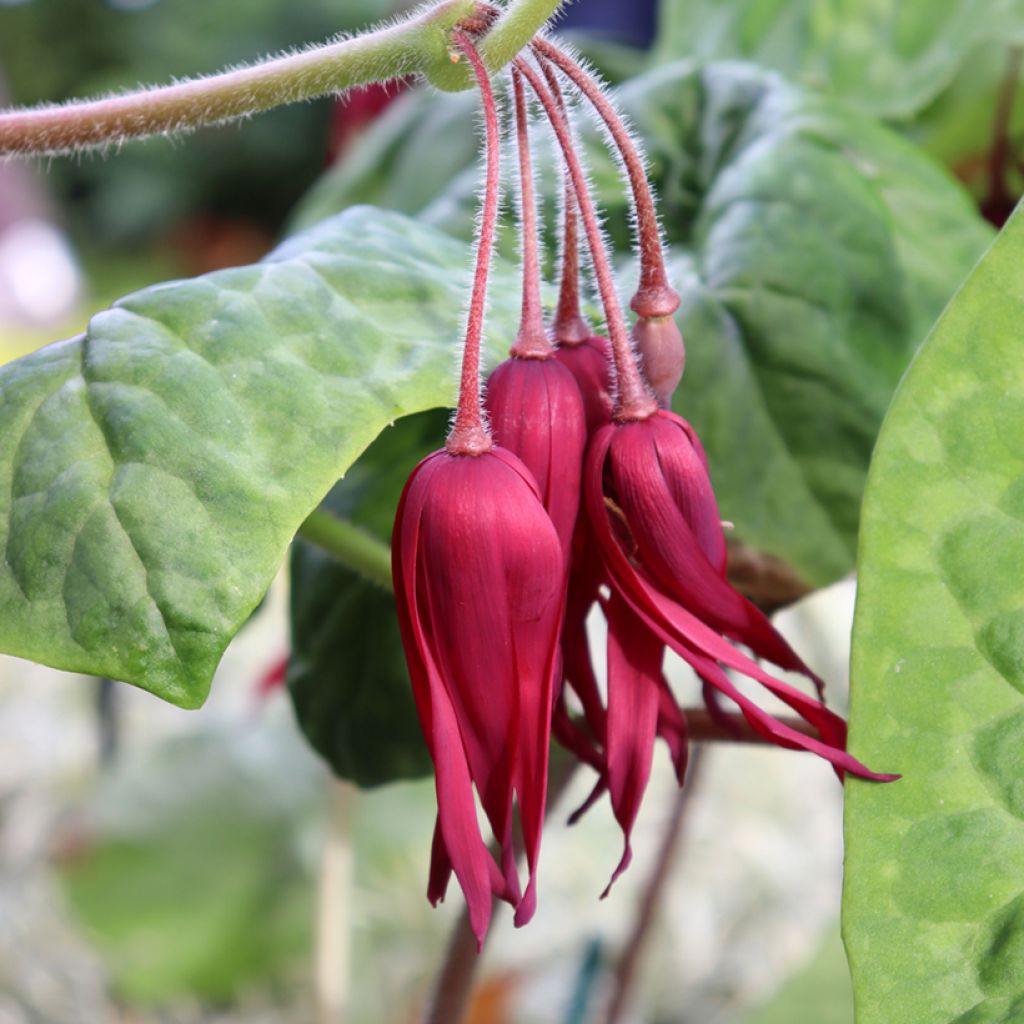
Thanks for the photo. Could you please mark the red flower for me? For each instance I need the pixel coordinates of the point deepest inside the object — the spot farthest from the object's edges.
(650, 504)
(480, 586)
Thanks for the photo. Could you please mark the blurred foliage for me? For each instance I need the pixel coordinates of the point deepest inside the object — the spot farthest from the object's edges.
(191, 870)
(889, 58)
(52, 50)
(819, 993)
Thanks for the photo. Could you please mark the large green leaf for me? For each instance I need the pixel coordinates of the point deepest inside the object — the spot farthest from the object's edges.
(813, 249)
(347, 673)
(934, 899)
(153, 472)
(890, 58)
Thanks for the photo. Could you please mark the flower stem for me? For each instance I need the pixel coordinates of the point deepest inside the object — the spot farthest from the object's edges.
(351, 545)
(655, 297)
(469, 435)
(569, 327)
(633, 401)
(531, 341)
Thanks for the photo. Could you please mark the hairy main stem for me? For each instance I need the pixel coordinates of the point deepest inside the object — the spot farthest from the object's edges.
(531, 341)
(634, 401)
(420, 44)
(655, 297)
(469, 435)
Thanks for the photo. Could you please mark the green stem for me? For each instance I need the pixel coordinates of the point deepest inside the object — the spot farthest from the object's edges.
(417, 45)
(514, 29)
(351, 545)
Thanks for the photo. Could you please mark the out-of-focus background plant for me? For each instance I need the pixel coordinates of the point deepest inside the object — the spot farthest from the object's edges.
(157, 864)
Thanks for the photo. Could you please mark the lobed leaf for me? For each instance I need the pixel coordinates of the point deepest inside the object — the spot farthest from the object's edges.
(934, 897)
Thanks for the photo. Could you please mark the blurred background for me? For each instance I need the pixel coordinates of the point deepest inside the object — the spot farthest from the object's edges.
(172, 866)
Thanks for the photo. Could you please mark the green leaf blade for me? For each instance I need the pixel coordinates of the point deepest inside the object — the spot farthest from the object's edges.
(156, 469)
(933, 904)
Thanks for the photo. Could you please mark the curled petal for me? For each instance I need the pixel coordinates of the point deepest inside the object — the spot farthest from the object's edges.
(698, 643)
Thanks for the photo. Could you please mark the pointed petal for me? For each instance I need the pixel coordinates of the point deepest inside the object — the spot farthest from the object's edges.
(634, 673)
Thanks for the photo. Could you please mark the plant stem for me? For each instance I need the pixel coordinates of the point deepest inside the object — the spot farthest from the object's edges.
(469, 435)
(639, 937)
(408, 47)
(420, 44)
(569, 327)
(655, 297)
(633, 401)
(351, 545)
(531, 341)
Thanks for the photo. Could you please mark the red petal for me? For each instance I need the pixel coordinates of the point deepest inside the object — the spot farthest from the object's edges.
(536, 412)
(634, 673)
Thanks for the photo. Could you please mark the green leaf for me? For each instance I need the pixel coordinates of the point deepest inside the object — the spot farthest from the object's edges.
(934, 897)
(813, 250)
(890, 58)
(347, 674)
(153, 471)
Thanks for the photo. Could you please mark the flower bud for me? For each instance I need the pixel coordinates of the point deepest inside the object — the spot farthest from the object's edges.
(479, 584)
(662, 355)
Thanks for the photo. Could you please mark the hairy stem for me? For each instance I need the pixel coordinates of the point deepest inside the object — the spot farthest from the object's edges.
(420, 44)
(351, 545)
(633, 401)
(569, 327)
(531, 341)
(469, 435)
(655, 297)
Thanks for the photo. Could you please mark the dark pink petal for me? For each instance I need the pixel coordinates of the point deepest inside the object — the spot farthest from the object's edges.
(662, 488)
(590, 363)
(536, 412)
(700, 645)
(634, 673)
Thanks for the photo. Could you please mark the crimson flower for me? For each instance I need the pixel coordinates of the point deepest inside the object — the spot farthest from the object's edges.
(653, 514)
(479, 577)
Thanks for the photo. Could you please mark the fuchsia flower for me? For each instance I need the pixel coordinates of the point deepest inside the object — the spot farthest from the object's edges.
(479, 580)
(495, 569)
(649, 501)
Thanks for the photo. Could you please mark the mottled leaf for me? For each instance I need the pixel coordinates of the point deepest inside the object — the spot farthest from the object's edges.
(934, 897)
(153, 471)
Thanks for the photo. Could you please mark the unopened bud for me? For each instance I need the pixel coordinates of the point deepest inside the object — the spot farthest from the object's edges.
(659, 344)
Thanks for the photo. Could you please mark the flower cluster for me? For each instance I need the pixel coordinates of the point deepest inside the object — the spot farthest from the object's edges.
(579, 488)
